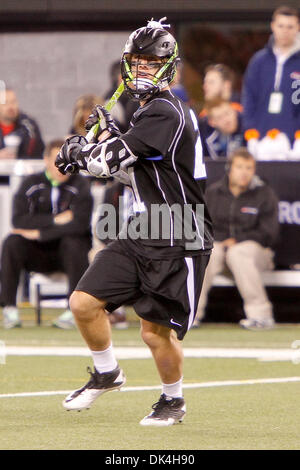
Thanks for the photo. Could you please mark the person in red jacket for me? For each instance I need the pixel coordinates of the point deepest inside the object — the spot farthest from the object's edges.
(244, 212)
(51, 232)
(20, 136)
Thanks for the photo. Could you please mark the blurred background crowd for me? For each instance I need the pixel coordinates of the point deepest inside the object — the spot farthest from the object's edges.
(239, 72)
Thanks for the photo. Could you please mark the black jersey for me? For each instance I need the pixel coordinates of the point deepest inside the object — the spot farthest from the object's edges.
(168, 180)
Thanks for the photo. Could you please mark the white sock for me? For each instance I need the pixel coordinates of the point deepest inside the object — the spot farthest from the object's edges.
(104, 361)
(173, 390)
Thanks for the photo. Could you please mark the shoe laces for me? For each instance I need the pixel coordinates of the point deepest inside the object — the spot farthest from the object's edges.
(162, 405)
(94, 379)
(91, 382)
(98, 379)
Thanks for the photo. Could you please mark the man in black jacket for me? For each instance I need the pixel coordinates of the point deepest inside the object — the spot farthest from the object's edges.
(20, 135)
(244, 211)
(51, 220)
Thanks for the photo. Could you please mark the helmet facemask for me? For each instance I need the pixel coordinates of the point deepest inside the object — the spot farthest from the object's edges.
(141, 84)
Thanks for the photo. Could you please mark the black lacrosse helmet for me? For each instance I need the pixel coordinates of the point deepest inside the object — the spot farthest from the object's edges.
(151, 40)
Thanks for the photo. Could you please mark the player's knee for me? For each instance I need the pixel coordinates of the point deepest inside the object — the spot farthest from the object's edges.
(85, 307)
(77, 304)
(153, 336)
(149, 338)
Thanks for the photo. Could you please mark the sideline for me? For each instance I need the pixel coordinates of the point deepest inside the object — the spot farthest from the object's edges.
(224, 383)
(144, 353)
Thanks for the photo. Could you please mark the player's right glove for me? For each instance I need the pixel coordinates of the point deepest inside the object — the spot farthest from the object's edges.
(70, 159)
(102, 117)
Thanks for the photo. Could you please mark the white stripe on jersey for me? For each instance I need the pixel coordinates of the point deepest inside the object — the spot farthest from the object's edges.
(138, 204)
(178, 176)
(156, 171)
(178, 129)
(190, 289)
(164, 196)
(174, 142)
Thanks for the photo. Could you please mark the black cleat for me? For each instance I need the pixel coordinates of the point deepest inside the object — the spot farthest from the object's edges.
(96, 386)
(166, 411)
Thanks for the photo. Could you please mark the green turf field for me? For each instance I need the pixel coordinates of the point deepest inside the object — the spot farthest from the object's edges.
(224, 410)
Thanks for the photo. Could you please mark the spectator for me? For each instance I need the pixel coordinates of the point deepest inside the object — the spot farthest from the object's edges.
(177, 86)
(268, 81)
(51, 220)
(244, 212)
(20, 136)
(219, 82)
(82, 109)
(221, 130)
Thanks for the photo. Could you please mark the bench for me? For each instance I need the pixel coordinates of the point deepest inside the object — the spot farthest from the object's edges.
(277, 278)
(46, 287)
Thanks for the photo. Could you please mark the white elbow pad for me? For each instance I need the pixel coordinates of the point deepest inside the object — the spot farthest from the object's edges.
(111, 158)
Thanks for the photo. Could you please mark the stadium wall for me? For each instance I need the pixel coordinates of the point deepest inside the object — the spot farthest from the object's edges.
(49, 70)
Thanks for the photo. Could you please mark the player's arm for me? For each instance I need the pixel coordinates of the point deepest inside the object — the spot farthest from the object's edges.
(152, 135)
(108, 159)
(70, 158)
(104, 159)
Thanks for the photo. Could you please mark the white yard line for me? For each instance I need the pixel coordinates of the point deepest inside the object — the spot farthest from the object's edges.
(222, 383)
(268, 354)
(144, 353)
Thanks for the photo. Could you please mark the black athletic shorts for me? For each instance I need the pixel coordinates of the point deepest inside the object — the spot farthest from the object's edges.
(162, 291)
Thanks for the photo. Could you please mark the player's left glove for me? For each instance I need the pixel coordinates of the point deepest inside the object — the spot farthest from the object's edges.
(70, 158)
(102, 117)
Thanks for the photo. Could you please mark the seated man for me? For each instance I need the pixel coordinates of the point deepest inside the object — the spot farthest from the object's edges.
(20, 136)
(221, 130)
(51, 220)
(244, 211)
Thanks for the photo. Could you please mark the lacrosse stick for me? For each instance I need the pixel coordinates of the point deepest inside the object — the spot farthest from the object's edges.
(109, 105)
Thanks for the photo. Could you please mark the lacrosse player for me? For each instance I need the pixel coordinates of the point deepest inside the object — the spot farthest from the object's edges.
(156, 267)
